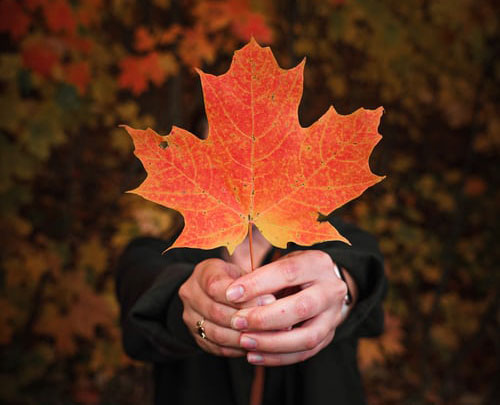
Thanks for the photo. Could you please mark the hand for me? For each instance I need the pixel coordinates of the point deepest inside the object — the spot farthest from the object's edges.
(204, 297)
(295, 327)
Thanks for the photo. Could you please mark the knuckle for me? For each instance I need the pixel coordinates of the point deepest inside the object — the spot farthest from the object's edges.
(215, 313)
(212, 286)
(232, 270)
(341, 289)
(321, 258)
(257, 319)
(305, 307)
(211, 262)
(313, 340)
(183, 292)
(251, 284)
(289, 270)
(201, 266)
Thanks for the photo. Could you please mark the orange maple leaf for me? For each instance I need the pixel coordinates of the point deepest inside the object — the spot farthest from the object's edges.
(136, 71)
(247, 24)
(144, 41)
(238, 15)
(196, 48)
(258, 165)
(252, 25)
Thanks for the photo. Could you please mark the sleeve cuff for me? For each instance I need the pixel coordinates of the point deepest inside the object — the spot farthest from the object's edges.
(158, 315)
(366, 318)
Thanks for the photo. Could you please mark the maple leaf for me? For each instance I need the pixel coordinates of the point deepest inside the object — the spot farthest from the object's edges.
(137, 70)
(195, 48)
(143, 40)
(247, 24)
(238, 14)
(258, 165)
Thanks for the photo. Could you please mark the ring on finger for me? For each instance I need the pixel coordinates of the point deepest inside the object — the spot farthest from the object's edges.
(200, 329)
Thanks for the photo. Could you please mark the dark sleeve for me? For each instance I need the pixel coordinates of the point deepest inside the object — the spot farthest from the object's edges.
(147, 283)
(151, 310)
(364, 262)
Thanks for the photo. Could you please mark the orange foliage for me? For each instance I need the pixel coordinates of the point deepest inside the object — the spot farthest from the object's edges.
(64, 323)
(390, 345)
(137, 71)
(143, 40)
(436, 216)
(244, 22)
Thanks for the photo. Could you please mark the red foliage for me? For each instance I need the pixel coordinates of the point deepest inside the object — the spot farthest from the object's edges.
(41, 57)
(59, 16)
(78, 74)
(136, 71)
(13, 19)
(143, 40)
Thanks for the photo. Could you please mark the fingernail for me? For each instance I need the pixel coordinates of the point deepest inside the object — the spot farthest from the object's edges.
(266, 300)
(254, 358)
(248, 342)
(235, 292)
(239, 322)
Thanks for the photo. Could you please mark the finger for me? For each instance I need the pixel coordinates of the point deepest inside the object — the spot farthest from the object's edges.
(217, 275)
(284, 312)
(222, 336)
(213, 311)
(292, 270)
(306, 337)
(260, 301)
(217, 340)
(283, 359)
(217, 350)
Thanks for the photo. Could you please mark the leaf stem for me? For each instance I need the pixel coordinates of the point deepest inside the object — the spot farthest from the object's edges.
(250, 244)
(257, 389)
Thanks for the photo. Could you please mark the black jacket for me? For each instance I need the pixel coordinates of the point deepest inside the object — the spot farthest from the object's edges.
(153, 330)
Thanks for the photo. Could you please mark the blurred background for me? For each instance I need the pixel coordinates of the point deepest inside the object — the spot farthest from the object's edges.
(71, 71)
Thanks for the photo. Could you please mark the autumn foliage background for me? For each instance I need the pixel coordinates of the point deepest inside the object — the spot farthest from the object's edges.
(71, 71)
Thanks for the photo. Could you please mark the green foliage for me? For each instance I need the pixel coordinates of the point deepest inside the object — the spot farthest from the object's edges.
(72, 71)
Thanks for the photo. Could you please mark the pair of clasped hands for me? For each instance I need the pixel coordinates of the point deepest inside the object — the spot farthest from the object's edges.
(243, 316)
